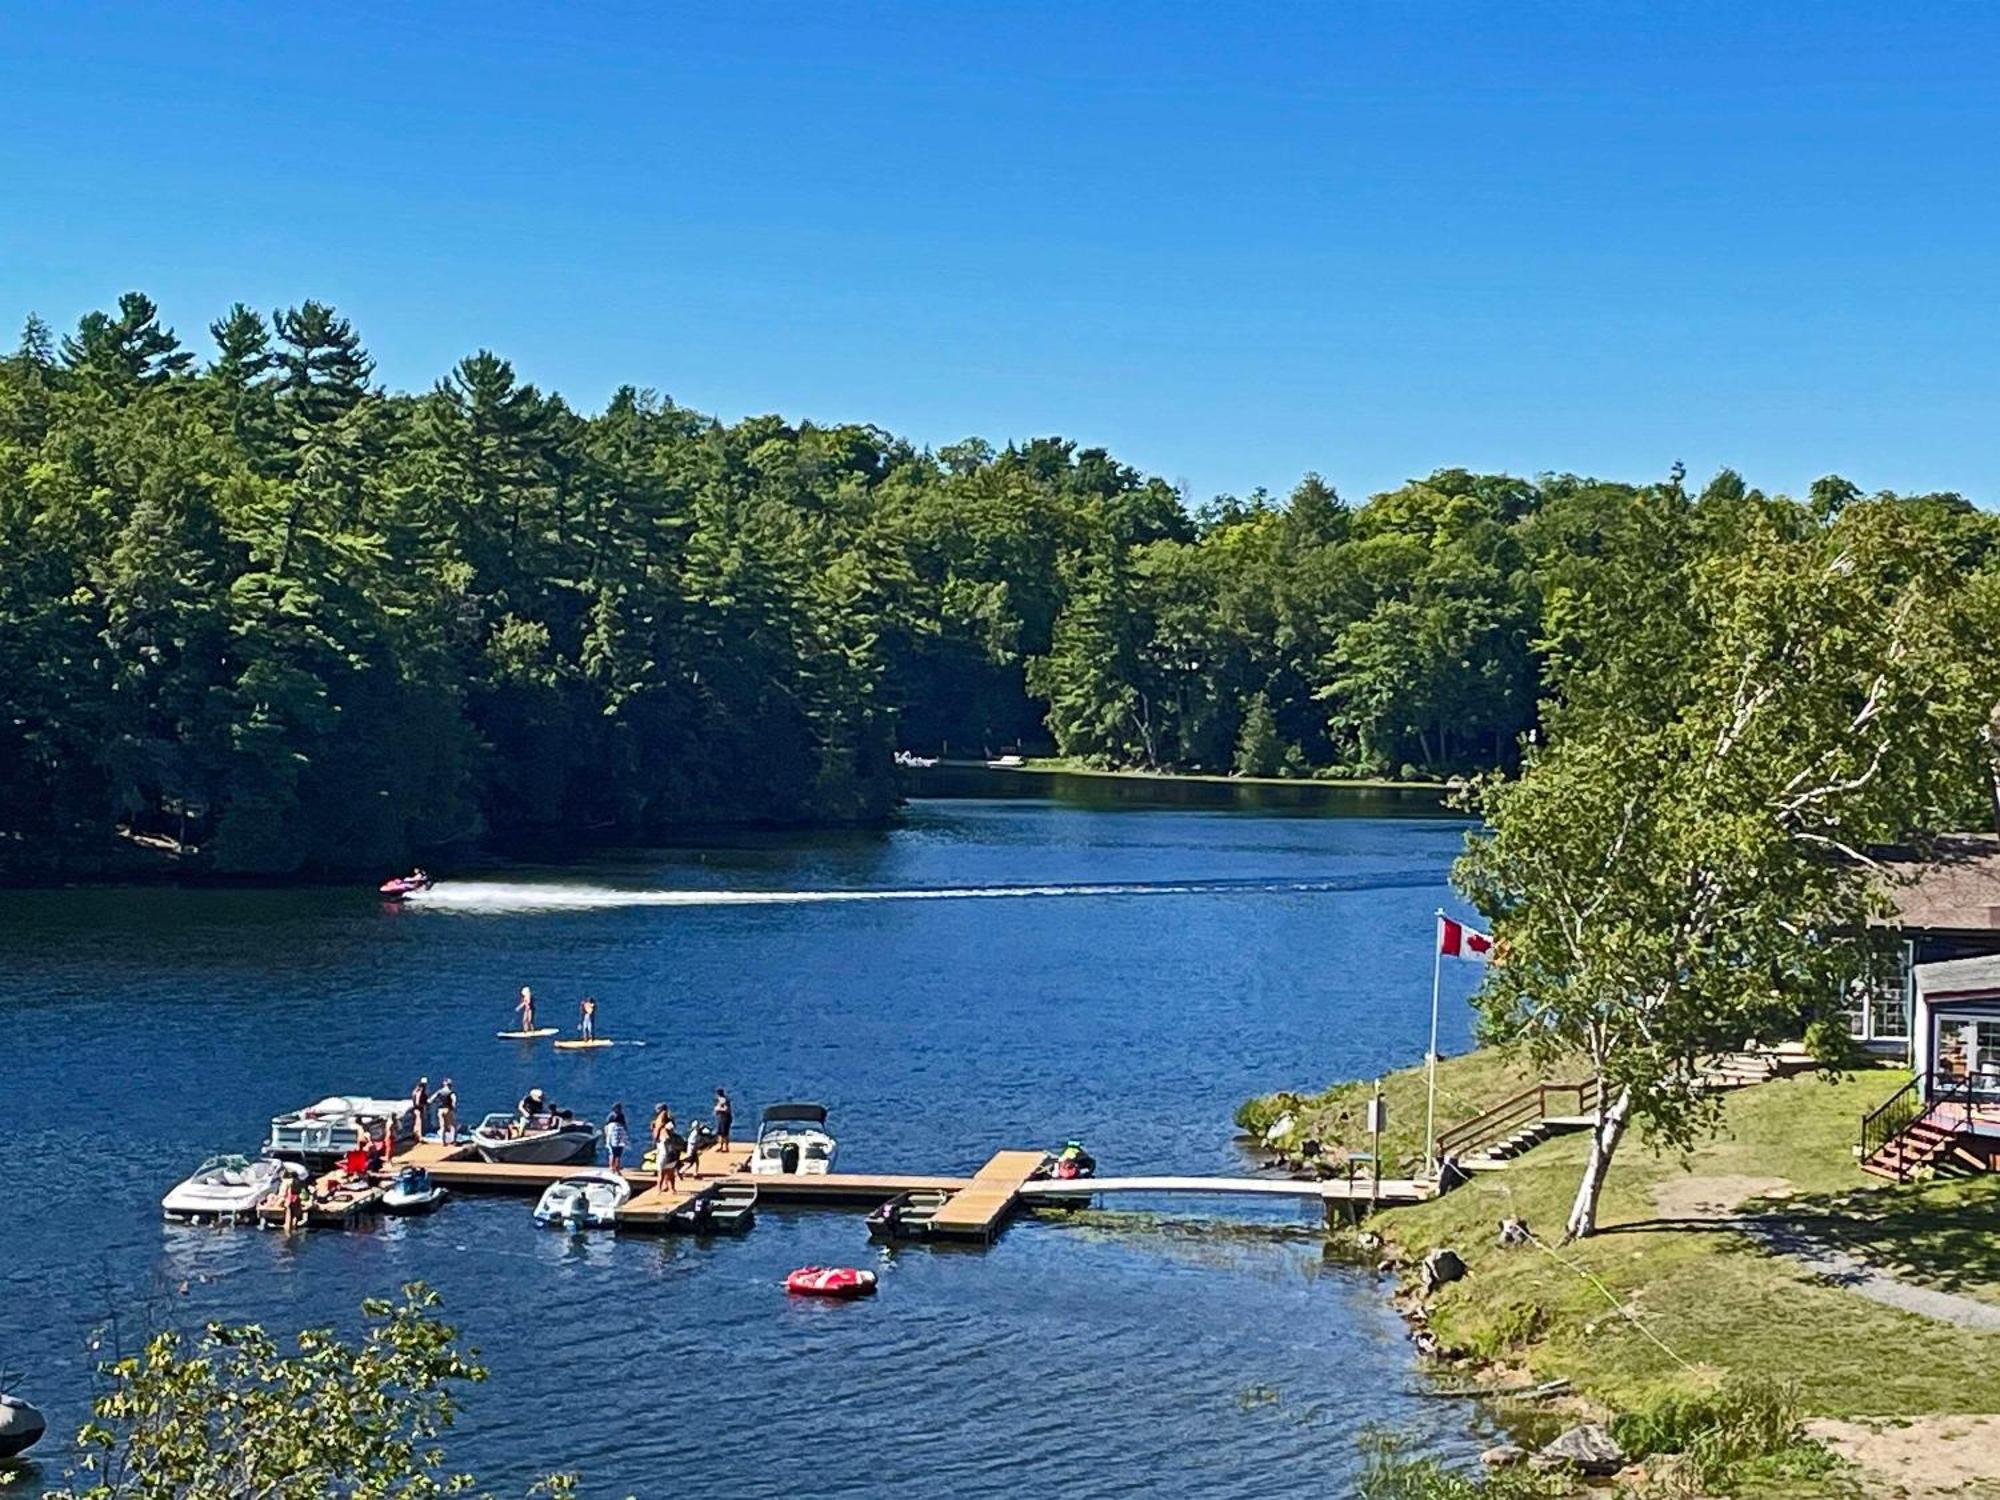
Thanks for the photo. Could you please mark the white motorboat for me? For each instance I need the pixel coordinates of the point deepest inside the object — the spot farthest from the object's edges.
(21, 1426)
(543, 1140)
(413, 1192)
(792, 1140)
(224, 1189)
(589, 1200)
(320, 1135)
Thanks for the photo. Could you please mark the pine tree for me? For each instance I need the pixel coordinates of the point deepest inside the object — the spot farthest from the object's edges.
(132, 349)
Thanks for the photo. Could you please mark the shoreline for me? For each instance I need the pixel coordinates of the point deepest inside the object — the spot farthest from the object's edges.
(1057, 766)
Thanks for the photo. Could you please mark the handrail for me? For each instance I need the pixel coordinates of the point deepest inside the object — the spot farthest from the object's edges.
(1922, 1098)
(1531, 1104)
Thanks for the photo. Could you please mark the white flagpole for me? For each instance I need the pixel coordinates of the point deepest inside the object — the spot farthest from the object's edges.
(1431, 1063)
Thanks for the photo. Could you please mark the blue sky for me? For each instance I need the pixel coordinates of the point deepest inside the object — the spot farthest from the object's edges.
(1229, 242)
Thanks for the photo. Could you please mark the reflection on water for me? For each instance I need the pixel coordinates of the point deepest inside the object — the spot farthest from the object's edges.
(1169, 965)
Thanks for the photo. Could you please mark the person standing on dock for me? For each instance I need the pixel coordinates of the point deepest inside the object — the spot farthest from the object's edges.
(526, 1009)
(291, 1201)
(666, 1149)
(723, 1115)
(446, 1103)
(589, 1023)
(616, 1137)
(420, 1098)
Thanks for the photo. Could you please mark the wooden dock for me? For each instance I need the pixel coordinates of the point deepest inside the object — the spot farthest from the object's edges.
(978, 1210)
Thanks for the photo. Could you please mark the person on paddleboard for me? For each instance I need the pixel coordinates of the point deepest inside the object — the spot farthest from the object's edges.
(526, 1009)
(589, 1009)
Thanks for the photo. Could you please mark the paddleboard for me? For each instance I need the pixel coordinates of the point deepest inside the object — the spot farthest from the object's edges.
(527, 1036)
(578, 1046)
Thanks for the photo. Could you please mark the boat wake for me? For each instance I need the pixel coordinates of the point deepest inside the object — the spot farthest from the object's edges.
(496, 896)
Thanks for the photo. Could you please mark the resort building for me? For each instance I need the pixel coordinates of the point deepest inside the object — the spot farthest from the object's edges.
(1948, 909)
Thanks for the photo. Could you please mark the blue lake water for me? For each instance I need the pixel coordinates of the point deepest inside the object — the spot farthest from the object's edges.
(991, 974)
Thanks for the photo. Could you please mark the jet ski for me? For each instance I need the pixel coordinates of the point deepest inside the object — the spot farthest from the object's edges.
(1072, 1162)
(403, 885)
(589, 1200)
(413, 1192)
(223, 1190)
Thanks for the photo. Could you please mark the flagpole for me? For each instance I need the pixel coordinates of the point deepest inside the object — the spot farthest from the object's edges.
(1431, 1058)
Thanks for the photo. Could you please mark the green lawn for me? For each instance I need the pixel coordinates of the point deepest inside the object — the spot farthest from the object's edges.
(1710, 1296)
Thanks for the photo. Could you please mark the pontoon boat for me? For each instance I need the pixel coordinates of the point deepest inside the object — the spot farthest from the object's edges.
(320, 1135)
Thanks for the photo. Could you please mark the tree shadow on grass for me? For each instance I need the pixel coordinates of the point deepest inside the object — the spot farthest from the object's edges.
(1942, 1235)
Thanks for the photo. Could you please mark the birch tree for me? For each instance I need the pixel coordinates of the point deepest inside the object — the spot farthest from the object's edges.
(1689, 862)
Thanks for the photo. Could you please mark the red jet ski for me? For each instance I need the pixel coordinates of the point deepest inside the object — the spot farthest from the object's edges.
(830, 1281)
(404, 885)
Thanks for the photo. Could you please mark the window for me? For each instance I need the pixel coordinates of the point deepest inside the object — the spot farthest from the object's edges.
(1986, 1053)
(1886, 1016)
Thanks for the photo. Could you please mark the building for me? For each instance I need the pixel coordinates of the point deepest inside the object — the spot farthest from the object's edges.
(1944, 910)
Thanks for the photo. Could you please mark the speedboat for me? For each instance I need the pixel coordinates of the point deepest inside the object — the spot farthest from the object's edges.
(402, 886)
(589, 1200)
(792, 1139)
(540, 1140)
(223, 1188)
(21, 1426)
(321, 1135)
(413, 1192)
(907, 1216)
(830, 1281)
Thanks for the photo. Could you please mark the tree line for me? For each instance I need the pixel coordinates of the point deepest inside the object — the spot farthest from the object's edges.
(259, 610)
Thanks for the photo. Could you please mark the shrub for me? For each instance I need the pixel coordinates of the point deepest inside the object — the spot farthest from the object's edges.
(1740, 1421)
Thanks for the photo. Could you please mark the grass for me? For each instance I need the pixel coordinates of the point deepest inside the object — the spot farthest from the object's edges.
(1664, 1304)
(1467, 1085)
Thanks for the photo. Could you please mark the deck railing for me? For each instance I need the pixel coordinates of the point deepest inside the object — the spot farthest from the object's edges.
(1926, 1096)
(1517, 1112)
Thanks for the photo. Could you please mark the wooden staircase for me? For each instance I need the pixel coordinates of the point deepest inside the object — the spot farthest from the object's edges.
(1496, 1136)
(1912, 1132)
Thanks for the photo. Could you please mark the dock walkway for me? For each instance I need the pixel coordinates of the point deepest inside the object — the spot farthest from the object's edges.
(978, 1210)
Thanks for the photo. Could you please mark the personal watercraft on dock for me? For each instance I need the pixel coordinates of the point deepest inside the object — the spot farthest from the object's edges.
(413, 1192)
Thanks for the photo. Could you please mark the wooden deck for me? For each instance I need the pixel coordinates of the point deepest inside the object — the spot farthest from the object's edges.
(978, 1210)
(346, 1201)
(1392, 1189)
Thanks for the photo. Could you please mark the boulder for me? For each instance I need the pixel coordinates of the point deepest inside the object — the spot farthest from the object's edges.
(1442, 1267)
(1588, 1449)
(1503, 1455)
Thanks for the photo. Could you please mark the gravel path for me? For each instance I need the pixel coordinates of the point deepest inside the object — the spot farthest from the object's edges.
(1788, 1238)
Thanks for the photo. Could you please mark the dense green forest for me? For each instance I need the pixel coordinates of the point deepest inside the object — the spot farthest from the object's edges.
(258, 608)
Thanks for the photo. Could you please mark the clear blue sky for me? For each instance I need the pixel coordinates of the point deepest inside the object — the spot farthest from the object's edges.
(1229, 242)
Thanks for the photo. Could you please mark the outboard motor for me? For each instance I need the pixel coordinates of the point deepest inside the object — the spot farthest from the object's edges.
(788, 1157)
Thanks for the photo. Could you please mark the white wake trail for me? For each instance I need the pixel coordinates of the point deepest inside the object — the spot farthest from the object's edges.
(520, 896)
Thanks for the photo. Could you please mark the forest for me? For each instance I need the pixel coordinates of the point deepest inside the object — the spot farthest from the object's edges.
(262, 617)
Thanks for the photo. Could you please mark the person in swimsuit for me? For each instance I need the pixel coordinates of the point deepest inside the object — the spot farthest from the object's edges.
(527, 1009)
(589, 1018)
(292, 1202)
(723, 1115)
(420, 1098)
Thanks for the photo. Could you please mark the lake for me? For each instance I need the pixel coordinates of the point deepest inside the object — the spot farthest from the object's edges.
(995, 972)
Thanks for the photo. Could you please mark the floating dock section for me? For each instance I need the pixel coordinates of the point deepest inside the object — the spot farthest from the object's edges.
(978, 1210)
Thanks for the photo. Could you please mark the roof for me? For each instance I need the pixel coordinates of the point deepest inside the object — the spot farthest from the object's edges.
(1959, 976)
(1957, 890)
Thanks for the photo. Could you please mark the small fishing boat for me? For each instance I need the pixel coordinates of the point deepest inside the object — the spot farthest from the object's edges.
(589, 1200)
(907, 1216)
(552, 1140)
(792, 1139)
(21, 1426)
(403, 886)
(321, 1135)
(830, 1281)
(413, 1192)
(223, 1190)
(729, 1209)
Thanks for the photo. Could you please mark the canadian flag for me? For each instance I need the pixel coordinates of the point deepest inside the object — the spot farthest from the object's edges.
(1456, 940)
